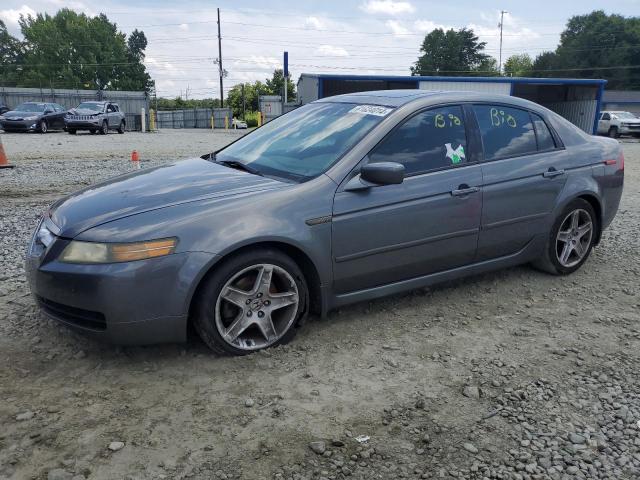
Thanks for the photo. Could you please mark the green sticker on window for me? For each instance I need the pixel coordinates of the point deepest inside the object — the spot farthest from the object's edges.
(456, 156)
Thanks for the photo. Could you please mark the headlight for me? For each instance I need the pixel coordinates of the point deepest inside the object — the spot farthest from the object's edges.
(31, 118)
(1, 117)
(91, 252)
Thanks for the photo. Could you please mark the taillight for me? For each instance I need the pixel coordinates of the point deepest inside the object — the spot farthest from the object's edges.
(619, 161)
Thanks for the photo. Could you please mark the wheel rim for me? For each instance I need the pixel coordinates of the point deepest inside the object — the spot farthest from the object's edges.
(256, 307)
(104, 128)
(574, 238)
(43, 127)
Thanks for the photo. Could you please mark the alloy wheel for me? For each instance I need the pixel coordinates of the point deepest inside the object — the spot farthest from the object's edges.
(256, 307)
(574, 238)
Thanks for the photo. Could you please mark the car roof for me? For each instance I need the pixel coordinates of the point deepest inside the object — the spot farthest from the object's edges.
(397, 98)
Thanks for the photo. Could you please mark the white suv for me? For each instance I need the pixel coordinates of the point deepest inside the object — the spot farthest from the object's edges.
(614, 124)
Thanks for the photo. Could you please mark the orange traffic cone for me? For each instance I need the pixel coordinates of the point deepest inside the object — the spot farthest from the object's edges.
(4, 163)
(135, 158)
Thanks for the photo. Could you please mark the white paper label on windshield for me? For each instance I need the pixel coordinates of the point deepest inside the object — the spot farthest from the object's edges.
(371, 110)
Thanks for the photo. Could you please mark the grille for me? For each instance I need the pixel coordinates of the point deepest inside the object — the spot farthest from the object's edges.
(82, 117)
(74, 316)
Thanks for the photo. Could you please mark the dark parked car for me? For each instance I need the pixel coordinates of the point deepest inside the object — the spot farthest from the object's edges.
(3, 108)
(33, 117)
(95, 117)
(342, 200)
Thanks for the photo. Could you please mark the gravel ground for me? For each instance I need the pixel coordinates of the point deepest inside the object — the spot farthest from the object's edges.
(509, 375)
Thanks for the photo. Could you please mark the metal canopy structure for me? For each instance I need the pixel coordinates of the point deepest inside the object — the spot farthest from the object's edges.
(578, 100)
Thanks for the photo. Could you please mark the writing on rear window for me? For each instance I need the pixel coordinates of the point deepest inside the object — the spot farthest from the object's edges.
(371, 110)
(498, 118)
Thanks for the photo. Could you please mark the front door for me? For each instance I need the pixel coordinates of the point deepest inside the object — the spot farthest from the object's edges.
(523, 175)
(604, 122)
(427, 224)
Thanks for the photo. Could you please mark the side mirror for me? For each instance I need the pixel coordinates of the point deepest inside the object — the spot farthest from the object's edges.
(377, 174)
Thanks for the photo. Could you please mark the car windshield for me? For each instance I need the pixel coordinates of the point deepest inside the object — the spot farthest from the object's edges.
(94, 107)
(30, 107)
(304, 143)
(626, 115)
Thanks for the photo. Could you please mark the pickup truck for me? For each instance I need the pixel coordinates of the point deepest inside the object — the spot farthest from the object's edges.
(616, 123)
(95, 117)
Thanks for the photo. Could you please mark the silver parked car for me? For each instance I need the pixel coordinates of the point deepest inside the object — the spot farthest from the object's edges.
(342, 200)
(95, 117)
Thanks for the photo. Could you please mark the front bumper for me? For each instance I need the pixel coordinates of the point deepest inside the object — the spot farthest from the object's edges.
(82, 124)
(629, 129)
(22, 125)
(129, 303)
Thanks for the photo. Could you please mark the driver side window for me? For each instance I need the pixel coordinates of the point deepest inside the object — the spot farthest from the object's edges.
(430, 140)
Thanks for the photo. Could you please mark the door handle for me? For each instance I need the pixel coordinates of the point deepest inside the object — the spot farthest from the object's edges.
(552, 172)
(463, 190)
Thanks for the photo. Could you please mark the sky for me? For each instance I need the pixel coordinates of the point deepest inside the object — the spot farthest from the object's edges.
(328, 36)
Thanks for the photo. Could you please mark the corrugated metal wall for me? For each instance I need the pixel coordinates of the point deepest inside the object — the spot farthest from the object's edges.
(483, 87)
(131, 103)
(579, 112)
(194, 118)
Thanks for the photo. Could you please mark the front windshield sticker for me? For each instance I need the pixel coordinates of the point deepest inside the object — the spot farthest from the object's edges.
(371, 110)
(456, 155)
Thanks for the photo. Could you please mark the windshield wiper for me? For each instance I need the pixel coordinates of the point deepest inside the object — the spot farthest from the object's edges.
(239, 166)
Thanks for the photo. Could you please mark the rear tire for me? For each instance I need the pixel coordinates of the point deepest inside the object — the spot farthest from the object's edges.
(571, 239)
(121, 127)
(613, 132)
(104, 128)
(269, 298)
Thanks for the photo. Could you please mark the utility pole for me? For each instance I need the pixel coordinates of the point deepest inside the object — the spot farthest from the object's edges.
(502, 12)
(220, 61)
(244, 116)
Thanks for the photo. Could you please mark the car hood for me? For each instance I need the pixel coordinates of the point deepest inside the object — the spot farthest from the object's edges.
(19, 114)
(84, 111)
(150, 189)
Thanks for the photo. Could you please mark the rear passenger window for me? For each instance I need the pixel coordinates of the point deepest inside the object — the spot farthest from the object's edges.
(543, 135)
(506, 132)
(429, 140)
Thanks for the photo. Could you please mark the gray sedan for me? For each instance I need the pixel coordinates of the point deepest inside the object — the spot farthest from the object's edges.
(343, 200)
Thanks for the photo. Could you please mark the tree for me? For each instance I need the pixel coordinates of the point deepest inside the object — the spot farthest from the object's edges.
(275, 85)
(453, 53)
(71, 50)
(518, 65)
(11, 52)
(596, 45)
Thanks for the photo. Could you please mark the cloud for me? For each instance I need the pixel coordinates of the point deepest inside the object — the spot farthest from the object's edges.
(397, 28)
(12, 16)
(387, 7)
(426, 26)
(184, 27)
(314, 22)
(332, 51)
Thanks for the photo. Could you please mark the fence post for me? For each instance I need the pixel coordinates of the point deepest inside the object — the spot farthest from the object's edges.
(152, 120)
(143, 120)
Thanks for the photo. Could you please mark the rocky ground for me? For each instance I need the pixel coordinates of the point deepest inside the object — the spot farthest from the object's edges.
(509, 375)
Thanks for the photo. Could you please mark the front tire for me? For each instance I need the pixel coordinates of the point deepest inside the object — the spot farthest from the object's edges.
(44, 128)
(571, 239)
(252, 301)
(71, 132)
(104, 128)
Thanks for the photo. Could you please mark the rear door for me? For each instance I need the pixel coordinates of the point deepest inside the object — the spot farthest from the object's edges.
(429, 223)
(523, 175)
